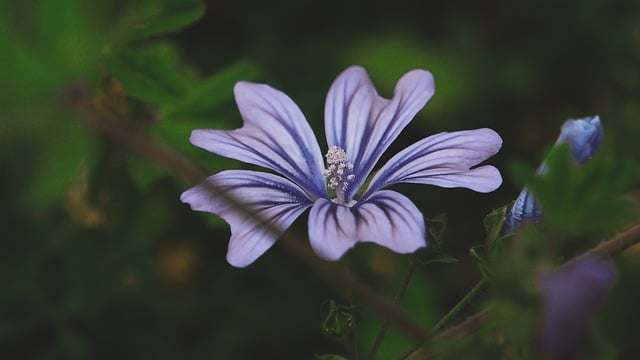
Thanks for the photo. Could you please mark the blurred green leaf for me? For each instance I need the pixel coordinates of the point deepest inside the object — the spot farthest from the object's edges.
(162, 17)
(143, 172)
(61, 162)
(154, 74)
(205, 96)
(579, 200)
(493, 223)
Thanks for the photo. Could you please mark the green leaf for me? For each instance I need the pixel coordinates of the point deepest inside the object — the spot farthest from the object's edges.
(60, 162)
(163, 18)
(143, 172)
(150, 74)
(582, 200)
(208, 95)
(481, 254)
(493, 223)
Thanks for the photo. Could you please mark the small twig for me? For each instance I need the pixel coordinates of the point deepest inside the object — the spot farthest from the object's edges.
(121, 132)
(617, 244)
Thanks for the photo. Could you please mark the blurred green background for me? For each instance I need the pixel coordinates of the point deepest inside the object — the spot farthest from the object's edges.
(98, 257)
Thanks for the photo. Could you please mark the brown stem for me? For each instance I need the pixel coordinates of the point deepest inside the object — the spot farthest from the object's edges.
(617, 244)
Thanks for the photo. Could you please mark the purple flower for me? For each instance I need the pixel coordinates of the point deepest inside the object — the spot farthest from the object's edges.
(346, 208)
(583, 136)
(570, 297)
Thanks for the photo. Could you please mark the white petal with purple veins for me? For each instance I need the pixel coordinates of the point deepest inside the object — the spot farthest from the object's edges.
(275, 135)
(364, 124)
(444, 160)
(268, 197)
(387, 218)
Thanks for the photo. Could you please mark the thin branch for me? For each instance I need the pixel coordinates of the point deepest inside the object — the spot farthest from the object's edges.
(617, 244)
(122, 132)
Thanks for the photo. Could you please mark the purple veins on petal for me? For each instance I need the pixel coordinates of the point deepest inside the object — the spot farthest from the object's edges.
(363, 123)
(268, 197)
(570, 297)
(387, 218)
(444, 160)
(275, 135)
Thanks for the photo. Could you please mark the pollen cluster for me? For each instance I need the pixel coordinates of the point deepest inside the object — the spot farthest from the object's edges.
(338, 172)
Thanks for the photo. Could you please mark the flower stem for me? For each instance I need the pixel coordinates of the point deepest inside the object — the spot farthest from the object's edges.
(471, 295)
(421, 352)
(404, 283)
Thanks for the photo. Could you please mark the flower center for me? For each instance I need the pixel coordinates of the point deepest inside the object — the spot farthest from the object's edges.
(338, 172)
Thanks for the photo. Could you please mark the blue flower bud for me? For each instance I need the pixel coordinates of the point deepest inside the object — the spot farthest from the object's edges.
(583, 136)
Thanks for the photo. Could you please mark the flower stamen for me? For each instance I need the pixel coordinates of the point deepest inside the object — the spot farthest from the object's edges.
(338, 172)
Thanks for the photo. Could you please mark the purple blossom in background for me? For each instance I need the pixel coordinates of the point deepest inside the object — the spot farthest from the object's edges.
(570, 297)
(345, 209)
(583, 136)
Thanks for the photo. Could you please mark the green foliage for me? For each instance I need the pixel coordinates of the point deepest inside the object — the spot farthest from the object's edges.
(204, 98)
(582, 200)
(150, 74)
(154, 18)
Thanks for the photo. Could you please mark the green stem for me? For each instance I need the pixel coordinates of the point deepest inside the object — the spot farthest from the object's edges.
(471, 295)
(420, 352)
(396, 300)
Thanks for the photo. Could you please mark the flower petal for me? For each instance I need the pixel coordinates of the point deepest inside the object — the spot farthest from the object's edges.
(571, 296)
(269, 197)
(364, 124)
(387, 218)
(444, 160)
(275, 135)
